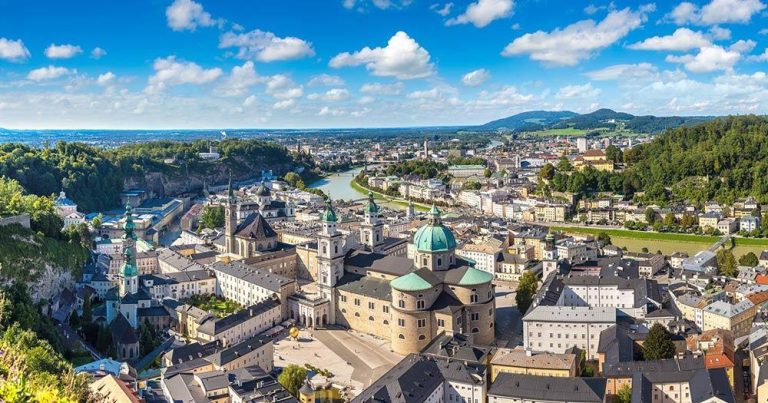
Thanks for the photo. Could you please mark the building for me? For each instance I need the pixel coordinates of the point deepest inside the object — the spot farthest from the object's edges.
(465, 171)
(734, 317)
(556, 329)
(519, 388)
(484, 255)
(749, 223)
(528, 362)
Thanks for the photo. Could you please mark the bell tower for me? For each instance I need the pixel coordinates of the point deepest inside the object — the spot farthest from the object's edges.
(372, 230)
(230, 220)
(330, 257)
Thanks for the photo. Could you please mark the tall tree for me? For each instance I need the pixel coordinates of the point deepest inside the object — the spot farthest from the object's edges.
(750, 259)
(526, 289)
(292, 378)
(658, 344)
(726, 263)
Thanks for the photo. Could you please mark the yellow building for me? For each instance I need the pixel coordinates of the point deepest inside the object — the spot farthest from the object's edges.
(734, 317)
(520, 361)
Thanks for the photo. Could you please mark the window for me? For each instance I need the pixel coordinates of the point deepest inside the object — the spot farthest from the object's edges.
(343, 298)
(473, 298)
(370, 318)
(401, 303)
(420, 304)
(422, 337)
(385, 308)
(441, 322)
(475, 330)
(401, 322)
(421, 323)
(371, 305)
(439, 262)
(475, 316)
(357, 301)
(401, 337)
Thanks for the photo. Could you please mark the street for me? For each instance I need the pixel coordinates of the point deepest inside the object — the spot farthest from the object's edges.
(509, 325)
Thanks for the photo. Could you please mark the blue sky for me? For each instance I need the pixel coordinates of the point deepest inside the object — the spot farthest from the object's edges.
(372, 63)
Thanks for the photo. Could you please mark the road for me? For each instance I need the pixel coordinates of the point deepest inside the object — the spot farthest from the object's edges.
(368, 363)
(509, 324)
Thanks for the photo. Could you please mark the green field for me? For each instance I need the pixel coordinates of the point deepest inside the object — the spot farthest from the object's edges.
(569, 131)
(386, 198)
(668, 243)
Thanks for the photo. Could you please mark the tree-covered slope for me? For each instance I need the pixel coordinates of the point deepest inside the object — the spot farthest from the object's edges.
(729, 154)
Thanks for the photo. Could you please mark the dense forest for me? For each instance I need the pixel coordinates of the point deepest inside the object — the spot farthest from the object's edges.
(722, 160)
(94, 177)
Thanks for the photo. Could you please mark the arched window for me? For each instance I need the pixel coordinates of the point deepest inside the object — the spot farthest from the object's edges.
(422, 337)
(401, 303)
(370, 318)
(386, 322)
(475, 330)
(401, 337)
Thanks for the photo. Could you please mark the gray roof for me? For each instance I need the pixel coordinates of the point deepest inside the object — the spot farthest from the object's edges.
(214, 327)
(236, 351)
(259, 277)
(365, 285)
(548, 388)
(577, 314)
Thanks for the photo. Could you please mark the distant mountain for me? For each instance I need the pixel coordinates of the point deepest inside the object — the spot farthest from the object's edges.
(532, 120)
(601, 118)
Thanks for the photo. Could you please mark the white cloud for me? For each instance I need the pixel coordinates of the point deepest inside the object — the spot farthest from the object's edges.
(334, 94)
(13, 50)
(709, 58)
(507, 96)
(98, 53)
(106, 78)
(326, 111)
(284, 104)
(281, 86)
(716, 12)
(763, 31)
(475, 78)
(326, 80)
(720, 33)
(170, 71)
(49, 73)
(361, 5)
(239, 80)
(577, 91)
(483, 12)
(443, 10)
(249, 101)
(681, 39)
(628, 72)
(187, 15)
(761, 57)
(266, 46)
(382, 89)
(743, 46)
(425, 94)
(366, 100)
(402, 58)
(578, 41)
(62, 51)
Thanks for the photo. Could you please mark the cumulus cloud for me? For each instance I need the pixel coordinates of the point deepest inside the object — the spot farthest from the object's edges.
(505, 97)
(578, 41)
(49, 73)
(424, 94)
(62, 51)
(98, 53)
(13, 50)
(382, 89)
(720, 33)
(325, 80)
(483, 12)
(682, 39)
(763, 57)
(188, 15)
(362, 5)
(403, 58)
(333, 95)
(577, 91)
(239, 81)
(627, 72)
(266, 46)
(106, 78)
(475, 78)
(284, 104)
(170, 71)
(281, 86)
(710, 58)
(716, 12)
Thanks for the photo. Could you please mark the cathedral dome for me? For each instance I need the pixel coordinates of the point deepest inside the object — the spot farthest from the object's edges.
(328, 215)
(262, 190)
(434, 237)
(371, 207)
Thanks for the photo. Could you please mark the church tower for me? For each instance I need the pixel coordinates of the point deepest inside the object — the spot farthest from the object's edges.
(230, 219)
(410, 212)
(372, 230)
(129, 273)
(330, 257)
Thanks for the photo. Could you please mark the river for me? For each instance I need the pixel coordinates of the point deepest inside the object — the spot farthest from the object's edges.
(337, 185)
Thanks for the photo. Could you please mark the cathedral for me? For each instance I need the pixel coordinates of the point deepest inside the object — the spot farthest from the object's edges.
(406, 301)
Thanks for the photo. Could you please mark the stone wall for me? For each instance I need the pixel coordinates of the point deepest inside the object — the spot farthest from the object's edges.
(21, 219)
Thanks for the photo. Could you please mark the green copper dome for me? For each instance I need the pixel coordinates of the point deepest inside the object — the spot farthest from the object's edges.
(410, 282)
(129, 268)
(475, 277)
(328, 215)
(371, 207)
(434, 237)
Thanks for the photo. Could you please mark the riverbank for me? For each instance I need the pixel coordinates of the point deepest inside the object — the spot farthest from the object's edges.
(387, 198)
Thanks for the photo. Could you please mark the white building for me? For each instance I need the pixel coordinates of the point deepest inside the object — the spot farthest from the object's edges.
(555, 329)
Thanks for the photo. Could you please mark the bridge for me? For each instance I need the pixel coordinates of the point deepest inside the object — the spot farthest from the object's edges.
(717, 245)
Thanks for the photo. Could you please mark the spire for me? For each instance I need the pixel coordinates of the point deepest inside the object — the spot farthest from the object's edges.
(129, 226)
(434, 215)
(230, 191)
(329, 215)
(371, 207)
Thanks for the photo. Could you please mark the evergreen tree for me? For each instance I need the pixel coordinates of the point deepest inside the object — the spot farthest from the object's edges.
(726, 263)
(658, 344)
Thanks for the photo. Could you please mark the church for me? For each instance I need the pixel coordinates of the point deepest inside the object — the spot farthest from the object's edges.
(406, 301)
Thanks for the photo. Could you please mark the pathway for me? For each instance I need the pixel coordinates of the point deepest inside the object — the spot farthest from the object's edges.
(369, 361)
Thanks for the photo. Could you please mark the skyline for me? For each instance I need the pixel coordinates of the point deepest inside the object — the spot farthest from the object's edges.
(196, 64)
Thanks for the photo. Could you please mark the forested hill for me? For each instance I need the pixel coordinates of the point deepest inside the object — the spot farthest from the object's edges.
(600, 119)
(94, 177)
(721, 159)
